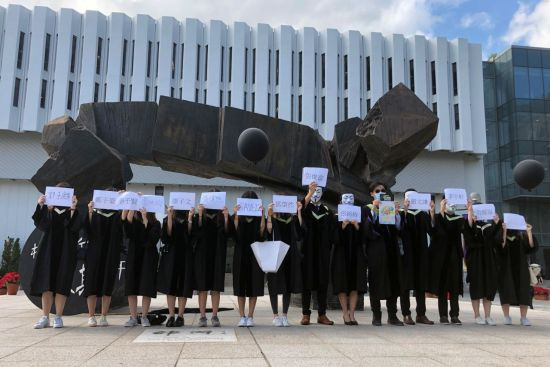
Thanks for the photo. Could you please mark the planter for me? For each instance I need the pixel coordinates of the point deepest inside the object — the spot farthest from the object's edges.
(12, 288)
(3, 291)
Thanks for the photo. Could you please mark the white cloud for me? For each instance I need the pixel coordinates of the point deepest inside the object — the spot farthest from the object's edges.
(530, 26)
(386, 16)
(480, 20)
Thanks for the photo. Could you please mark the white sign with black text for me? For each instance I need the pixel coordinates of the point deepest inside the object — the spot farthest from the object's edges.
(285, 204)
(59, 196)
(314, 174)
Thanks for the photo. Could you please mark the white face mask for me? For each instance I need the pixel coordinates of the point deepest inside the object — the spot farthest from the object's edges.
(316, 197)
(348, 199)
(450, 209)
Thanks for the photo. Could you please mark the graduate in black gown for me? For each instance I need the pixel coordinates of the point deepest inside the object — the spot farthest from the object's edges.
(446, 264)
(481, 240)
(248, 277)
(290, 229)
(104, 233)
(514, 285)
(55, 263)
(383, 258)
(316, 248)
(175, 273)
(348, 265)
(416, 227)
(143, 231)
(210, 233)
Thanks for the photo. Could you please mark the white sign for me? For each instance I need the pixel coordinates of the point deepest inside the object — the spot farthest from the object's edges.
(104, 199)
(182, 200)
(484, 211)
(187, 335)
(515, 221)
(249, 207)
(59, 196)
(213, 200)
(456, 197)
(285, 204)
(153, 203)
(128, 201)
(270, 254)
(386, 212)
(418, 201)
(319, 175)
(349, 212)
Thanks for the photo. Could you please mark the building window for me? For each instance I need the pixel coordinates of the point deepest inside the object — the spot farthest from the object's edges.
(196, 95)
(276, 105)
(221, 64)
(221, 98)
(206, 62)
(157, 62)
(204, 97)
(315, 109)
(368, 105)
(229, 98)
(346, 108)
(269, 104)
(322, 70)
(253, 96)
(292, 107)
(43, 89)
(432, 67)
(269, 69)
(300, 108)
(73, 53)
(70, 96)
(292, 70)
(47, 52)
(345, 72)
(174, 52)
(172, 92)
(181, 63)
(198, 66)
(411, 74)
(132, 62)
(315, 63)
(434, 108)
(130, 93)
(253, 69)
(98, 57)
(245, 101)
(16, 88)
(367, 67)
(300, 70)
(277, 67)
(20, 49)
(338, 108)
(390, 73)
(245, 64)
(149, 47)
(96, 92)
(230, 62)
(323, 109)
(455, 80)
(457, 117)
(121, 96)
(181, 93)
(146, 93)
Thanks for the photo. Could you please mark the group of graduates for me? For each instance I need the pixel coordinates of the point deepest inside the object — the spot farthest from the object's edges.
(423, 252)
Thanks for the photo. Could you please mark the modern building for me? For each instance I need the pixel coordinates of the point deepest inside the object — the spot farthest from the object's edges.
(517, 113)
(51, 62)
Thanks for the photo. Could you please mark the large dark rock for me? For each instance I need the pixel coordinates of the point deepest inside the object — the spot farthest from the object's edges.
(55, 132)
(86, 163)
(126, 126)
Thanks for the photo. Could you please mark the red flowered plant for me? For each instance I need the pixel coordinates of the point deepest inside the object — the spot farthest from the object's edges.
(11, 277)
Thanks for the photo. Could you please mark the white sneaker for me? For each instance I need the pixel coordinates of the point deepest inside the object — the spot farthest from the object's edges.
(42, 323)
(525, 321)
(250, 322)
(145, 321)
(103, 321)
(277, 321)
(57, 322)
(242, 322)
(285, 322)
(507, 320)
(92, 322)
(490, 321)
(131, 322)
(480, 320)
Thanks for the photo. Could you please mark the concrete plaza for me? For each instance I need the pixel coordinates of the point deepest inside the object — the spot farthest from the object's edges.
(265, 345)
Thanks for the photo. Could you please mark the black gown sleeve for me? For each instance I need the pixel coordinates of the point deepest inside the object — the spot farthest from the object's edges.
(72, 222)
(152, 234)
(41, 218)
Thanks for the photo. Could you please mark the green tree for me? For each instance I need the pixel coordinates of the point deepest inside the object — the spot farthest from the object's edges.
(15, 254)
(6, 256)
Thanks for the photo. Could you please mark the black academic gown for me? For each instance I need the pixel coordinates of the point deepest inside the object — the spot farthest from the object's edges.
(143, 257)
(416, 227)
(446, 255)
(348, 264)
(104, 233)
(383, 256)
(248, 277)
(289, 277)
(210, 248)
(514, 281)
(56, 257)
(317, 244)
(481, 241)
(175, 273)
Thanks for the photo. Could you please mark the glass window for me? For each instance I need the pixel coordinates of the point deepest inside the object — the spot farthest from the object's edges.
(519, 56)
(20, 50)
(98, 57)
(390, 73)
(47, 52)
(525, 147)
(545, 59)
(537, 105)
(539, 126)
(73, 53)
(411, 74)
(521, 78)
(149, 46)
(534, 59)
(524, 128)
(546, 83)
(504, 131)
(535, 83)
(16, 89)
(43, 93)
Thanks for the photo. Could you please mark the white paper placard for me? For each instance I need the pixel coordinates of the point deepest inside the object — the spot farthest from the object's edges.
(213, 200)
(515, 221)
(270, 254)
(182, 200)
(349, 212)
(317, 174)
(249, 207)
(456, 196)
(484, 211)
(285, 204)
(59, 196)
(128, 201)
(104, 199)
(386, 212)
(153, 203)
(418, 201)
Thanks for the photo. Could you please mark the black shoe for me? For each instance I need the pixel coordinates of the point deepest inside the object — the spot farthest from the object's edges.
(354, 322)
(179, 322)
(423, 320)
(377, 321)
(444, 320)
(455, 321)
(408, 320)
(170, 322)
(393, 320)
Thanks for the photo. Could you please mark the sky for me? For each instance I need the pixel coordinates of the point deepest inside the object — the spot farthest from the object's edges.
(495, 24)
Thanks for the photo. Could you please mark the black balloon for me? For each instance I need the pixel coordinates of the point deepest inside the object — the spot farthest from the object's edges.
(253, 144)
(528, 174)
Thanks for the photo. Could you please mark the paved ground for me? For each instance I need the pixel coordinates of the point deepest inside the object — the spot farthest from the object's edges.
(264, 345)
